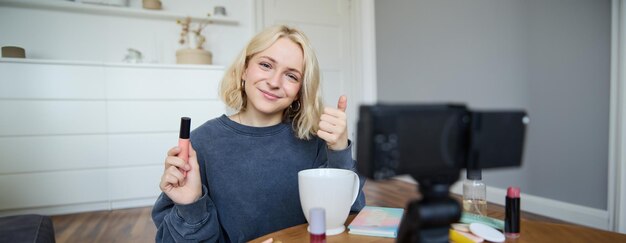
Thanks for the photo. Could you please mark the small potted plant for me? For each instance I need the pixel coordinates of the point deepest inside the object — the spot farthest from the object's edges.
(192, 41)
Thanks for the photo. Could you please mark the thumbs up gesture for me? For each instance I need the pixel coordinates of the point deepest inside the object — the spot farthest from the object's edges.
(333, 125)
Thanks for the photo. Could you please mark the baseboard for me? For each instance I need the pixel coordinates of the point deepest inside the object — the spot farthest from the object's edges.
(572, 213)
(133, 203)
(82, 207)
(59, 210)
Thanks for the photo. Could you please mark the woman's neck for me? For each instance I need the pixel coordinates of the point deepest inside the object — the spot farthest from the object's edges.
(249, 118)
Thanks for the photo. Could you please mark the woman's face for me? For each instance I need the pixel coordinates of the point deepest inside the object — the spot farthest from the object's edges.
(273, 78)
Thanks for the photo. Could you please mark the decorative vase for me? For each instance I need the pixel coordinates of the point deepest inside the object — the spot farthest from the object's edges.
(152, 4)
(193, 56)
(13, 51)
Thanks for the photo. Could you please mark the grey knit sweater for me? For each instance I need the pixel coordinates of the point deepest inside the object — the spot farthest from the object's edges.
(250, 183)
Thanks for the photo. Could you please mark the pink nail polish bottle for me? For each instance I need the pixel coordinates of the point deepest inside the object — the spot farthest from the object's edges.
(317, 225)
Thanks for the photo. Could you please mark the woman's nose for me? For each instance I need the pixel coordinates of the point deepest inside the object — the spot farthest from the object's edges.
(274, 80)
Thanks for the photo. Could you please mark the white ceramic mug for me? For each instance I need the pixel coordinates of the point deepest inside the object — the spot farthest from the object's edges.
(335, 190)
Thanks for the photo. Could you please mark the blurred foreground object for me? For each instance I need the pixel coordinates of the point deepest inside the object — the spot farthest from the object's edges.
(432, 143)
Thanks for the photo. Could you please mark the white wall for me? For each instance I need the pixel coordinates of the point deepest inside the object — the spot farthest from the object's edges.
(551, 58)
(62, 35)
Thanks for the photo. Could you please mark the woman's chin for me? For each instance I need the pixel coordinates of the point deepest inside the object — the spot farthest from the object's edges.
(271, 110)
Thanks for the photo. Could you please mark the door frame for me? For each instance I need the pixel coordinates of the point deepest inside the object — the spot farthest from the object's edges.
(363, 32)
(363, 35)
(617, 118)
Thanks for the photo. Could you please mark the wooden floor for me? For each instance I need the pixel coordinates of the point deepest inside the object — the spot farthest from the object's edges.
(135, 225)
(125, 225)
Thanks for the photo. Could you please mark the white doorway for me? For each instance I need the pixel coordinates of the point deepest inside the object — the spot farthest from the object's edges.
(327, 23)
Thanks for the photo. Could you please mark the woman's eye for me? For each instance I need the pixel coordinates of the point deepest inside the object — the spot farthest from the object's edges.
(292, 77)
(265, 65)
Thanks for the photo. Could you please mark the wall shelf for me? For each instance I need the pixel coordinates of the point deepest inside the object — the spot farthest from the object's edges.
(111, 64)
(78, 7)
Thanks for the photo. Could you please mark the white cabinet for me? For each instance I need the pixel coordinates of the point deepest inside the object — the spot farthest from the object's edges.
(78, 136)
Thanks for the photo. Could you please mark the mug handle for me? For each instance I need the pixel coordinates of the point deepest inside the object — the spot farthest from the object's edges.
(356, 187)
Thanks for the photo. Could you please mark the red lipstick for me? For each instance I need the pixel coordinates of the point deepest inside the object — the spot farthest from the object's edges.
(512, 213)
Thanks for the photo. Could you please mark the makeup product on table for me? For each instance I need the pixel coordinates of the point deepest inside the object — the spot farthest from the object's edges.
(183, 140)
(317, 225)
(512, 213)
(462, 237)
(469, 218)
(474, 193)
(486, 232)
(460, 227)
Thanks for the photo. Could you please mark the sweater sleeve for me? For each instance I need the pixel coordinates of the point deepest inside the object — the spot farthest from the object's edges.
(186, 223)
(342, 159)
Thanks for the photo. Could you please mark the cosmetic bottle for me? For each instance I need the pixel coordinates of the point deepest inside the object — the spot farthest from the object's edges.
(183, 140)
(474, 193)
(512, 213)
(317, 225)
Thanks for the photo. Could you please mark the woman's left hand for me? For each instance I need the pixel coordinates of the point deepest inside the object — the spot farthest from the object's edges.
(334, 125)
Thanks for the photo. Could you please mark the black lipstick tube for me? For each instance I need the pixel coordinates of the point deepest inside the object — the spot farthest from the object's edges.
(512, 213)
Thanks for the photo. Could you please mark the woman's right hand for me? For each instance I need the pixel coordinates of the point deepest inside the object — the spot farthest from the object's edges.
(178, 187)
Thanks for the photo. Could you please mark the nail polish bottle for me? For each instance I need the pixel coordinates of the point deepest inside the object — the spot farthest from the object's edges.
(317, 225)
(474, 193)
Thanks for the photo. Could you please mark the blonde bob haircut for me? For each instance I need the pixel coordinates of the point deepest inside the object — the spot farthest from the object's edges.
(304, 113)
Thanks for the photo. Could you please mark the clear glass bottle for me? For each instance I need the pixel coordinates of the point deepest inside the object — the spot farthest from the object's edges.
(474, 193)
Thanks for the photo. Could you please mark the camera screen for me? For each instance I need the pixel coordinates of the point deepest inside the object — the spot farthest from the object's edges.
(436, 141)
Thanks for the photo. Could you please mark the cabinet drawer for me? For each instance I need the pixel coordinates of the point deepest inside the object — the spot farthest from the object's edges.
(135, 182)
(166, 83)
(53, 188)
(52, 153)
(49, 81)
(140, 149)
(34, 117)
(159, 116)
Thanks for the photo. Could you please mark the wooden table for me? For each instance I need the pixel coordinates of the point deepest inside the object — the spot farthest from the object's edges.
(396, 193)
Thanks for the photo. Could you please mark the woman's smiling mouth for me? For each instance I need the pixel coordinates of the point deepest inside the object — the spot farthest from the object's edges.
(269, 95)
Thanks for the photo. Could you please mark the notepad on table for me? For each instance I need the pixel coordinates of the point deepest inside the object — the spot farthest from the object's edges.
(377, 221)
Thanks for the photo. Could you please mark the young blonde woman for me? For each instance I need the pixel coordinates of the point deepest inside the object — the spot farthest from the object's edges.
(241, 180)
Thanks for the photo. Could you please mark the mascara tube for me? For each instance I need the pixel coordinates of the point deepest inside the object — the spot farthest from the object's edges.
(183, 140)
(512, 213)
